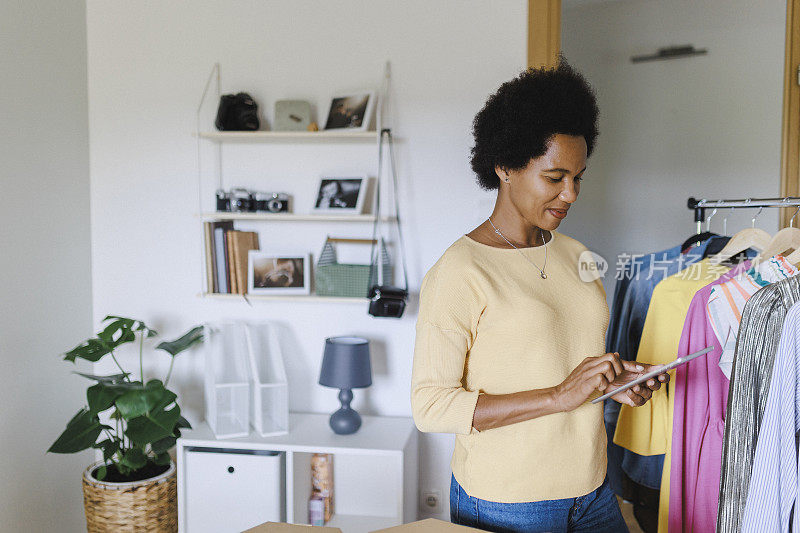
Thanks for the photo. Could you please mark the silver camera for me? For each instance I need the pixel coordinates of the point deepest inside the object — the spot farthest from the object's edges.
(273, 202)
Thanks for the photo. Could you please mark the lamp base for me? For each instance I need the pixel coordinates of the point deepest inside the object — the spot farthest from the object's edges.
(346, 420)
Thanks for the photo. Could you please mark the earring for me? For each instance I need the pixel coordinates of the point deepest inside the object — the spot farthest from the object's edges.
(506, 180)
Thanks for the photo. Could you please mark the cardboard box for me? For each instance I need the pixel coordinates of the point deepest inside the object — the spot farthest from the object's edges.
(429, 525)
(283, 527)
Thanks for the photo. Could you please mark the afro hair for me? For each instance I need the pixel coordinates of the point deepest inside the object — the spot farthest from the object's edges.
(519, 120)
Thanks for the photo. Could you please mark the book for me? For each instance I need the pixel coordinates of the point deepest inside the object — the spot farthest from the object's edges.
(243, 242)
(209, 242)
(230, 237)
(219, 258)
(235, 237)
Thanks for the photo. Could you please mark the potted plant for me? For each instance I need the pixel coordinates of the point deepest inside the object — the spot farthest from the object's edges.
(134, 424)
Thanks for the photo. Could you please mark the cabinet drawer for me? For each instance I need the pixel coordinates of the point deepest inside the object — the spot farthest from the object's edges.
(232, 490)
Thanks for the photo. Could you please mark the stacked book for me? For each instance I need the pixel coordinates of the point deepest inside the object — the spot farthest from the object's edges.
(226, 257)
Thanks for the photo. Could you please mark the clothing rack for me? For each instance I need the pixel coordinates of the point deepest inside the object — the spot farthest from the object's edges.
(699, 206)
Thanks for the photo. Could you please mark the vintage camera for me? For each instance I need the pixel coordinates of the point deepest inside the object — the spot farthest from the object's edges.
(238, 200)
(274, 202)
(237, 112)
(241, 200)
(223, 200)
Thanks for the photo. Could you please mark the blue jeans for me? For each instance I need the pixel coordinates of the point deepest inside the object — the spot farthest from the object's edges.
(597, 512)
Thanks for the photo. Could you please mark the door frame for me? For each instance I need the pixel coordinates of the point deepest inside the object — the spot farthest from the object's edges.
(544, 46)
(790, 127)
(544, 33)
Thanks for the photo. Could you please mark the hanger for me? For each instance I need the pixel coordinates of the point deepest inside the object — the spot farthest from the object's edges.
(785, 239)
(794, 257)
(697, 238)
(752, 237)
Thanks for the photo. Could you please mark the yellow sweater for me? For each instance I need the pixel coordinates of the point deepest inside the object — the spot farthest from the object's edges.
(488, 323)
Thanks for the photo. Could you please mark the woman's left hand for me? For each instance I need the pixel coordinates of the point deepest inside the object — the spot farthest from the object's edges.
(639, 394)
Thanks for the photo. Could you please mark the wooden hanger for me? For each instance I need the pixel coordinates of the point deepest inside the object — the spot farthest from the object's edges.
(754, 237)
(785, 239)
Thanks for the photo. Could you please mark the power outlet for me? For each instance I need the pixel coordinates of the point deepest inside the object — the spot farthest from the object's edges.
(431, 501)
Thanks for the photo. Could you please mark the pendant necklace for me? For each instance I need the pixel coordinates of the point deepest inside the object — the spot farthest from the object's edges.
(544, 276)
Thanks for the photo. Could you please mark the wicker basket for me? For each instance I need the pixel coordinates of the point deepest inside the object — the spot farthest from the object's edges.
(149, 505)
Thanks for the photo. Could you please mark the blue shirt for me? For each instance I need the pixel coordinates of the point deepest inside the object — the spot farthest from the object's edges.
(632, 297)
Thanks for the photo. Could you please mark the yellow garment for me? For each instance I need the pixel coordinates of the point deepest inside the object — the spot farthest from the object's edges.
(488, 323)
(647, 430)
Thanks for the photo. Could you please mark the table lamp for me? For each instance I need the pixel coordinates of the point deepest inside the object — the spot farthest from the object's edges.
(345, 366)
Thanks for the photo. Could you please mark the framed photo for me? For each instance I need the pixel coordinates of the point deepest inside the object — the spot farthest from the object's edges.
(341, 195)
(351, 111)
(269, 272)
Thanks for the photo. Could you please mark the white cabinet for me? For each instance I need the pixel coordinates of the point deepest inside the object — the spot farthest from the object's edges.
(220, 480)
(374, 476)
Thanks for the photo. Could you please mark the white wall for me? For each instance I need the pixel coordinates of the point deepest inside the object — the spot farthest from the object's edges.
(706, 126)
(45, 278)
(148, 63)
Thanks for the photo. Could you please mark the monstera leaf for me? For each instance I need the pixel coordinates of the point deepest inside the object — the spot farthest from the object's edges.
(114, 378)
(140, 401)
(175, 347)
(81, 433)
(101, 397)
(130, 323)
(91, 350)
(152, 426)
(158, 422)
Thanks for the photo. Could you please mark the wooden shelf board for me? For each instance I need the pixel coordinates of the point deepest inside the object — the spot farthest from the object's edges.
(284, 297)
(290, 217)
(290, 136)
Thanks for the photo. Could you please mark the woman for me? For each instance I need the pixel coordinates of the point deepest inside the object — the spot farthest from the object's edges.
(510, 342)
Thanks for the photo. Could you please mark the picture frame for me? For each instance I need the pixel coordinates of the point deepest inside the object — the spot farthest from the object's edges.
(278, 272)
(352, 112)
(342, 195)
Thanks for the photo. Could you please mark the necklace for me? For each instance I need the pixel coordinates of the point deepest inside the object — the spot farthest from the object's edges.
(544, 276)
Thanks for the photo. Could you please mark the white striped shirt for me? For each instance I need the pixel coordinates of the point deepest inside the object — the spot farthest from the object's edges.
(774, 481)
(726, 302)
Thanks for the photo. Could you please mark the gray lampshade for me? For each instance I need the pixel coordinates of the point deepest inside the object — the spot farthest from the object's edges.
(345, 364)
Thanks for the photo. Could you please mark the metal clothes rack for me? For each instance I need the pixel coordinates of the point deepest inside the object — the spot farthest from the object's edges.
(699, 206)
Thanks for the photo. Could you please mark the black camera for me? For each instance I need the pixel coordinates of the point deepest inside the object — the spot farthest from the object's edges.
(223, 200)
(237, 112)
(387, 301)
(274, 202)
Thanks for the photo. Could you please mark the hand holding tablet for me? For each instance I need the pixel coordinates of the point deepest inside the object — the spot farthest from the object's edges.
(653, 374)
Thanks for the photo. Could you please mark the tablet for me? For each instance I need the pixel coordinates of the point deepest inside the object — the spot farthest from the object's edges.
(660, 370)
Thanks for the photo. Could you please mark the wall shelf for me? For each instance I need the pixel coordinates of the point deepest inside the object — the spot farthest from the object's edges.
(214, 258)
(291, 217)
(284, 297)
(291, 136)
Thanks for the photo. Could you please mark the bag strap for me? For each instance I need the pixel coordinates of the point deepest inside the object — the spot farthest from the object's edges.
(386, 134)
